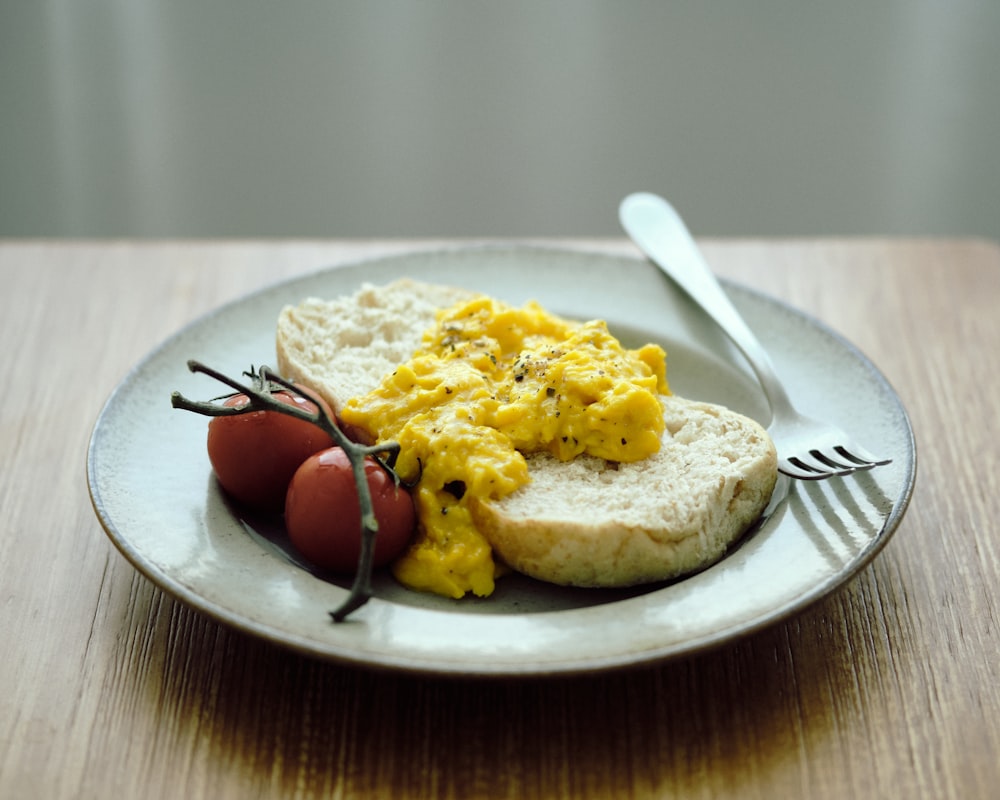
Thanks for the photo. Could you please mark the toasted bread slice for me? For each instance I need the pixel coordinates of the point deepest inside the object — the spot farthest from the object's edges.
(591, 523)
(585, 522)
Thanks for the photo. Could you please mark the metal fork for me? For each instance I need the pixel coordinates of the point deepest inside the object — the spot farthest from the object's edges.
(808, 449)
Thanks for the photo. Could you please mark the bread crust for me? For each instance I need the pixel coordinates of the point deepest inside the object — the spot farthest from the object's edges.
(586, 522)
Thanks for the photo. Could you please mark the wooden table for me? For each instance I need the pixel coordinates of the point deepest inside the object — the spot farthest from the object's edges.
(108, 688)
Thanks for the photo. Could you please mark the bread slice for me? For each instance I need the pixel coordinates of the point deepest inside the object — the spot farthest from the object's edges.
(586, 522)
(591, 523)
(342, 348)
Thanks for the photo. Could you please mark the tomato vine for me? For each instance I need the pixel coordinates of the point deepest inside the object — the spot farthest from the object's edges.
(261, 398)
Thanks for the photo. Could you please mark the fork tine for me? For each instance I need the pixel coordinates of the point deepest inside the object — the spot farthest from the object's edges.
(796, 467)
(824, 462)
(802, 474)
(789, 469)
(839, 463)
(818, 464)
(858, 455)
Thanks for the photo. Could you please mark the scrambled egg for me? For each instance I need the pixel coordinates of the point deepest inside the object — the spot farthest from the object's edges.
(490, 383)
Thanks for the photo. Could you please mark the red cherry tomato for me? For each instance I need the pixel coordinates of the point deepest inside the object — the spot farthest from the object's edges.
(255, 455)
(323, 514)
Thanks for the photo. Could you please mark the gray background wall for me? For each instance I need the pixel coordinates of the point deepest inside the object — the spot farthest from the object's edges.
(163, 118)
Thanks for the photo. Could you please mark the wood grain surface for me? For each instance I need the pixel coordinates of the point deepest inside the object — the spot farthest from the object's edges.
(109, 688)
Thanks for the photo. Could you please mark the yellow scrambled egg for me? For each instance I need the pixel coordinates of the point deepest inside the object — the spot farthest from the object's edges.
(490, 383)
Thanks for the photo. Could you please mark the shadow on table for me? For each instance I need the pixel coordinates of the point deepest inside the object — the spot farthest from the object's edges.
(261, 717)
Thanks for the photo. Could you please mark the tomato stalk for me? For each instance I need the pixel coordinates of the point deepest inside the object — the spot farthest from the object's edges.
(261, 399)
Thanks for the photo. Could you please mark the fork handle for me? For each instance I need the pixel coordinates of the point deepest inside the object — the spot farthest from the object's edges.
(661, 234)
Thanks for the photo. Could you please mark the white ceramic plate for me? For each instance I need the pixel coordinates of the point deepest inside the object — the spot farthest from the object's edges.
(152, 488)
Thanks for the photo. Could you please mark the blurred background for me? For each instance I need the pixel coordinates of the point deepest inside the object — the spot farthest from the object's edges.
(260, 118)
